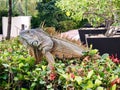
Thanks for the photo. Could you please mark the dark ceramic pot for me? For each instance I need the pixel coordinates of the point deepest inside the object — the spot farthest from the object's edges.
(110, 45)
(83, 31)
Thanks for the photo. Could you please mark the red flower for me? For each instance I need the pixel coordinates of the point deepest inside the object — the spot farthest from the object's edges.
(52, 76)
(115, 59)
(116, 81)
(72, 75)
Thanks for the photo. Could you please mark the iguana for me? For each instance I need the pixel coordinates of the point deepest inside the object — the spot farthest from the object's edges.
(42, 44)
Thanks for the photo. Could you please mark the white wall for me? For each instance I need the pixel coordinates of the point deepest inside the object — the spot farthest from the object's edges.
(16, 24)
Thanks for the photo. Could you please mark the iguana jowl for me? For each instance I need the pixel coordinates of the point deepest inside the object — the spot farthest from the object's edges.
(42, 44)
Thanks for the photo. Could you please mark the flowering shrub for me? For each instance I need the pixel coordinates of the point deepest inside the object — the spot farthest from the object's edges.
(115, 59)
(91, 72)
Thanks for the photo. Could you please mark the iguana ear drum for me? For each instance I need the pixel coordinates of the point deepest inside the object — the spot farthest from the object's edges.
(35, 43)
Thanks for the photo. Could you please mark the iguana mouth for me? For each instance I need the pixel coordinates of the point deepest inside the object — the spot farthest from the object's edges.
(34, 43)
(29, 41)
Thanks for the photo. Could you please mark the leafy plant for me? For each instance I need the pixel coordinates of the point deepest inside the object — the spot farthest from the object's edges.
(18, 71)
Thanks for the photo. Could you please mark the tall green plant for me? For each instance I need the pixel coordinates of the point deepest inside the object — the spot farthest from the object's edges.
(23, 7)
(49, 14)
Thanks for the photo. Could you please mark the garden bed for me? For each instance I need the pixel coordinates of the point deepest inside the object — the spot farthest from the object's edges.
(18, 71)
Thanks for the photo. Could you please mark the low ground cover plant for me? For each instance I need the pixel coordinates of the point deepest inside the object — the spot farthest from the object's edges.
(19, 72)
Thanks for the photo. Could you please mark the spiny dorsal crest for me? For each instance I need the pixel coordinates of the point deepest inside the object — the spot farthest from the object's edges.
(66, 36)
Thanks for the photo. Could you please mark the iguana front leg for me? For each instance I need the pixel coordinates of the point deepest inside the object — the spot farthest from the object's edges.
(46, 48)
(50, 59)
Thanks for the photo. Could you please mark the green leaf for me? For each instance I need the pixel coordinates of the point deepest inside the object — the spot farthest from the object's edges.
(49, 86)
(89, 84)
(33, 84)
(104, 56)
(38, 69)
(43, 67)
(101, 73)
(114, 87)
(98, 82)
(5, 65)
(21, 65)
(24, 89)
(60, 70)
(91, 46)
(100, 88)
(93, 52)
(66, 76)
(90, 74)
(117, 70)
(4, 76)
(100, 78)
(68, 13)
(16, 78)
(78, 79)
(42, 82)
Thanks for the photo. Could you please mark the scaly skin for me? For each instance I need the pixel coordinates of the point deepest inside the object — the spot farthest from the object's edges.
(42, 44)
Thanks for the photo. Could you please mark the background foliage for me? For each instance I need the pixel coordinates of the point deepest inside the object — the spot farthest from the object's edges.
(44, 14)
(96, 11)
(50, 15)
(55, 13)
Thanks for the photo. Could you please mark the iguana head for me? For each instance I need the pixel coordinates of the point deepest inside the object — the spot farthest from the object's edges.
(29, 37)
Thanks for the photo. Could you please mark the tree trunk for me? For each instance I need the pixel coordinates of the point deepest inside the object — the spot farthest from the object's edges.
(9, 20)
